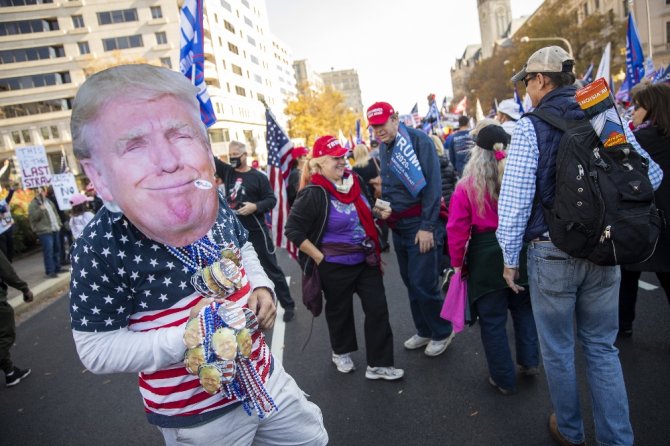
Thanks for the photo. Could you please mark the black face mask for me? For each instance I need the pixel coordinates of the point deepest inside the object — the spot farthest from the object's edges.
(235, 162)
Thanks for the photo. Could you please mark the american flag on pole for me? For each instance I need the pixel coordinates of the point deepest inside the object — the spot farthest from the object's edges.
(191, 55)
(415, 114)
(279, 167)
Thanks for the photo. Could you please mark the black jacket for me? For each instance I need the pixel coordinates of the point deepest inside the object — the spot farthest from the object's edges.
(448, 175)
(309, 217)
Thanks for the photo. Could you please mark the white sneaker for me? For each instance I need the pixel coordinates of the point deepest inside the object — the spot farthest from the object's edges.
(415, 342)
(387, 373)
(435, 348)
(344, 363)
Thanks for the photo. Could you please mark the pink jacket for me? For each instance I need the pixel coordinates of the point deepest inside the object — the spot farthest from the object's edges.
(464, 219)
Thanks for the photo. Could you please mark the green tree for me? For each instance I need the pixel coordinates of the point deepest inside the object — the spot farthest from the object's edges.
(316, 113)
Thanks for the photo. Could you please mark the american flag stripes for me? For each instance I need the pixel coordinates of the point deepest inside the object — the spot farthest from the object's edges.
(415, 114)
(192, 58)
(280, 160)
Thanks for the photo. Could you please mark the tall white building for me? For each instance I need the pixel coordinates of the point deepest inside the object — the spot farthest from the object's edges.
(495, 17)
(47, 48)
(346, 82)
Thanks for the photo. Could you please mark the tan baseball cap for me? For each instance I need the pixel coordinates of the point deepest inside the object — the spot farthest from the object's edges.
(550, 59)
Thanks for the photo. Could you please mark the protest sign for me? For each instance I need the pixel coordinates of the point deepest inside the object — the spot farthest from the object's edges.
(64, 186)
(34, 166)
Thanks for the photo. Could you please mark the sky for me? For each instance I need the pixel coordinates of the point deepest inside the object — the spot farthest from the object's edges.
(401, 50)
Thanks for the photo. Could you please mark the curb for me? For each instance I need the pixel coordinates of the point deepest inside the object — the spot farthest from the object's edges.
(41, 292)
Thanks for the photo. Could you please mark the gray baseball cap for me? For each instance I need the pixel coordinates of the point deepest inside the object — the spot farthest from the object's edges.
(550, 59)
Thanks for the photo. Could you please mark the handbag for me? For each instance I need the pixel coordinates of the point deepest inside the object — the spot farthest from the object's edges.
(376, 182)
(312, 293)
(454, 306)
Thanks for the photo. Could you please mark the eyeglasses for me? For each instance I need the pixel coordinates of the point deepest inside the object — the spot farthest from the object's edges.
(527, 79)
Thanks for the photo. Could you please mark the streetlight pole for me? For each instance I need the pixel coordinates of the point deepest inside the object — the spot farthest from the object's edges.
(525, 39)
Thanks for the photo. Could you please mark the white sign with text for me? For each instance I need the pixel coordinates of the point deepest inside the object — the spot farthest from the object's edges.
(34, 166)
(64, 186)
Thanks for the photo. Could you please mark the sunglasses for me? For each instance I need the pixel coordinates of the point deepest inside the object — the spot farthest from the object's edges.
(527, 79)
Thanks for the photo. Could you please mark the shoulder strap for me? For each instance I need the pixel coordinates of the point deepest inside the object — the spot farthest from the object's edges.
(376, 164)
(550, 119)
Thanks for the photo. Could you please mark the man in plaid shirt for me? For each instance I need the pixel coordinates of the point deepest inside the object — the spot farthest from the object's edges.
(564, 290)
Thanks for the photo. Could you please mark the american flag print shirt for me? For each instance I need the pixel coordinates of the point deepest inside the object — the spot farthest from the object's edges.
(123, 280)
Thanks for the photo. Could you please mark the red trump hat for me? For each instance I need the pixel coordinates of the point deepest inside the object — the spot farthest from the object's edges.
(379, 113)
(328, 146)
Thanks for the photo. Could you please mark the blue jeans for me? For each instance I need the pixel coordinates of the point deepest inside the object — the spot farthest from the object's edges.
(492, 310)
(564, 291)
(51, 251)
(421, 275)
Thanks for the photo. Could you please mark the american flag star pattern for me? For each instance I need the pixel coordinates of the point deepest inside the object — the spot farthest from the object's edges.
(280, 160)
(123, 280)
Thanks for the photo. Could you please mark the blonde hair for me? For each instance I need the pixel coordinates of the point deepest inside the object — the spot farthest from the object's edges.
(361, 155)
(311, 166)
(439, 147)
(482, 175)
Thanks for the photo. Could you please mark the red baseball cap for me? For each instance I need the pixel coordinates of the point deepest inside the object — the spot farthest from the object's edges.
(328, 146)
(299, 151)
(379, 113)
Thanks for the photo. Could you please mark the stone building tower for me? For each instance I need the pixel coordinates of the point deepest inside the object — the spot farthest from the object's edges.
(495, 17)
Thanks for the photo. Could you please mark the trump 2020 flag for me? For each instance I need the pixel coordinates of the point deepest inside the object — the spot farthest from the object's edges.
(191, 57)
(634, 56)
(280, 160)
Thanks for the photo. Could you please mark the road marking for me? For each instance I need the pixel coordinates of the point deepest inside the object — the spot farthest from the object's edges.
(646, 286)
(277, 347)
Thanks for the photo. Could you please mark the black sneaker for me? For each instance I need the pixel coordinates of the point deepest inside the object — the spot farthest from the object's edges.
(15, 376)
(289, 314)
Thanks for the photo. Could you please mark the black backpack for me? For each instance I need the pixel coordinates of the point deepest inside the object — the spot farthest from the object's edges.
(603, 208)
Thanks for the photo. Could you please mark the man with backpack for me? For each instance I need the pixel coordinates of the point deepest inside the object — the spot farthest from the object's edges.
(569, 289)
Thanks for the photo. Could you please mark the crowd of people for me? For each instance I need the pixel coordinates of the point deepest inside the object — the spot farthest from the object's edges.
(176, 276)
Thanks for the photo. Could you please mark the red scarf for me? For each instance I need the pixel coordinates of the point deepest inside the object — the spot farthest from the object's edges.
(353, 196)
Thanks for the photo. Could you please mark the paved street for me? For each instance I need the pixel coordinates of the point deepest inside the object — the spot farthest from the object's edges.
(441, 401)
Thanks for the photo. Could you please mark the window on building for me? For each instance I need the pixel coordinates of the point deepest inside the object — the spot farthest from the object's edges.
(50, 132)
(118, 16)
(245, 3)
(597, 5)
(240, 91)
(251, 141)
(254, 59)
(156, 12)
(237, 70)
(28, 26)
(258, 79)
(34, 81)
(226, 5)
(667, 31)
(251, 40)
(25, 134)
(166, 62)
(120, 43)
(161, 38)
(248, 21)
(29, 54)
(5, 3)
(229, 26)
(233, 48)
(219, 135)
(16, 137)
(83, 48)
(78, 21)
(36, 108)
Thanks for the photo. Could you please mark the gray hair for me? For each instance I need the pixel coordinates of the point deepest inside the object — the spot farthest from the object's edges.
(482, 176)
(142, 81)
(237, 144)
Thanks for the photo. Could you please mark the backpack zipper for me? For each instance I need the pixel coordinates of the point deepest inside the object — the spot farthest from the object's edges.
(607, 234)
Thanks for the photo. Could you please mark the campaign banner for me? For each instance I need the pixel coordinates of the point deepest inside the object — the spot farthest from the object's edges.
(64, 186)
(34, 166)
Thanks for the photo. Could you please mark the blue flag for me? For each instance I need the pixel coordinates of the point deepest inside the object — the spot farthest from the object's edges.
(634, 55)
(588, 75)
(192, 58)
(517, 98)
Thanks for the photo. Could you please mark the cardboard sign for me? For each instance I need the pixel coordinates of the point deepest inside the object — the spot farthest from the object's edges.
(64, 186)
(34, 166)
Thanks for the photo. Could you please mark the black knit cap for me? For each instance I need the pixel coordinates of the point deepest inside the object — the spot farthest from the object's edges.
(490, 135)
